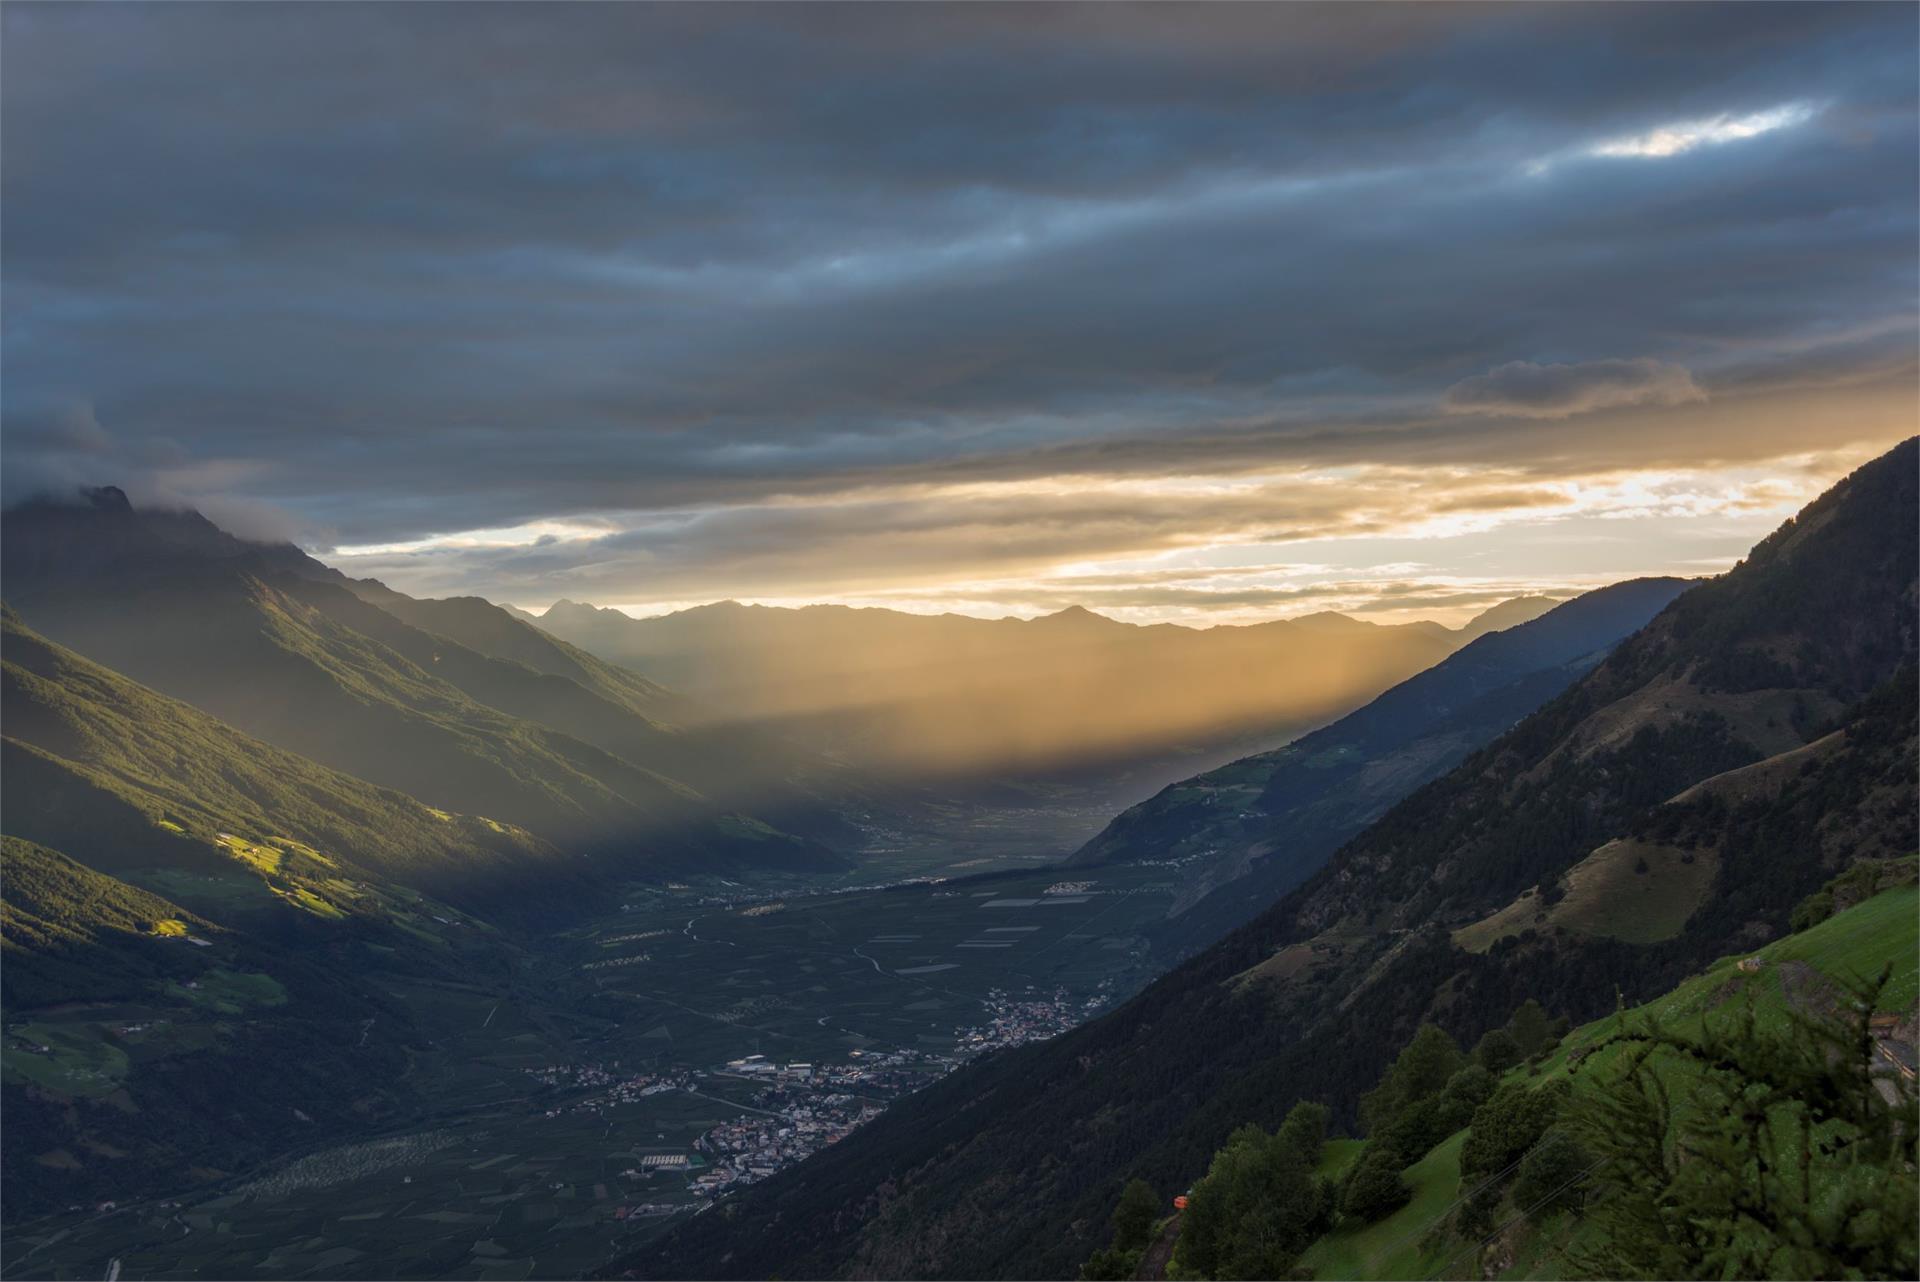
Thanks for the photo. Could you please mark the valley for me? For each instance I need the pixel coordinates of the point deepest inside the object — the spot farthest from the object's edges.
(623, 1075)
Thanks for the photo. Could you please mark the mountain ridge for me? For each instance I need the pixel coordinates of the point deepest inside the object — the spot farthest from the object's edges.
(279, 645)
(1260, 825)
(952, 697)
(1009, 1167)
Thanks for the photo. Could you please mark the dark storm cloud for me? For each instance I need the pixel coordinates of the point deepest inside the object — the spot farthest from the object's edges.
(1525, 390)
(407, 269)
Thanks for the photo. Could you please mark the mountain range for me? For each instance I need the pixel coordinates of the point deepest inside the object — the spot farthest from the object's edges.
(257, 796)
(298, 814)
(1071, 695)
(1667, 808)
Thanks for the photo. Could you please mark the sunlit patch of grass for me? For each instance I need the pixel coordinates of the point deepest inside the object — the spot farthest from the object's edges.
(169, 928)
(256, 855)
(301, 897)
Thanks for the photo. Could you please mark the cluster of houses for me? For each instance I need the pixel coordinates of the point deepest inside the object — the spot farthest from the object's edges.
(756, 1146)
(620, 1088)
(1031, 1016)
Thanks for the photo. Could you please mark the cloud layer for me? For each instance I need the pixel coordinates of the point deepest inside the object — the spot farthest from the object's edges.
(722, 300)
(1523, 389)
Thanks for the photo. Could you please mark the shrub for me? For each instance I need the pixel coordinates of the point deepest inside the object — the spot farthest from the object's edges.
(1529, 1027)
(1509, 1124)
(1418, 1128)
(1375, 1189)
(1812, 910)
(1497, 1051)
(1305, 1128)
(1110, 1265)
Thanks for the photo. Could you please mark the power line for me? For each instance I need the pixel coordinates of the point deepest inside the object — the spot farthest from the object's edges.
(1515, 1219)
(1401, 1241)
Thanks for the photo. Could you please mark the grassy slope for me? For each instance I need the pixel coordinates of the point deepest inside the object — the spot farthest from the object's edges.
(1853, 944)
(258, 657)
(1393, 1248)
(1336, 1156)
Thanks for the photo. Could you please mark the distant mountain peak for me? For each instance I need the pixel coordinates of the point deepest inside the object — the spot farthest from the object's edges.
(1508, 614)
(107, 498)
(1329, 621)
(1075, 614)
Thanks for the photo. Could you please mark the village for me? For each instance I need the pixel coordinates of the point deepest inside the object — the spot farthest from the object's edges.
(804, 1107)
(797, 1108)
(1030, 1017)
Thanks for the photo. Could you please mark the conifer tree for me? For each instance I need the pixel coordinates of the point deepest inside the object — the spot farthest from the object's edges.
(1783, 1159)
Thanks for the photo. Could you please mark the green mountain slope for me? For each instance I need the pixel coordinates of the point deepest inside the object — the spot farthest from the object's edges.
(124, 779)
(220, 910)
(129, 1018)
(1008, 1169)
(1433, 1235)
(234, 629)
(68, 933)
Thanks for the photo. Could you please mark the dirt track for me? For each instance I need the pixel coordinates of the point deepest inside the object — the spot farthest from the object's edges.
(1153, 1265)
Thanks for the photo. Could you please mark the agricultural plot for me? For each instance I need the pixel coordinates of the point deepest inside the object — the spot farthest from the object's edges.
(900, 967)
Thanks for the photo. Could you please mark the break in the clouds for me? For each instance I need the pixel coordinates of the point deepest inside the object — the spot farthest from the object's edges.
(942, 305)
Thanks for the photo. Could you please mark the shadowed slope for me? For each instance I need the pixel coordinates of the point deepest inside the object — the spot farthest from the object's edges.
(1252, 830)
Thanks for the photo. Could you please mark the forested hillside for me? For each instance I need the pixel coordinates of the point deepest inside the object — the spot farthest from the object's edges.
(1254, 829)
(1010, 1168)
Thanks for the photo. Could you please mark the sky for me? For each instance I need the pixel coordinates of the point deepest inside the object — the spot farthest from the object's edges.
(1200, 314)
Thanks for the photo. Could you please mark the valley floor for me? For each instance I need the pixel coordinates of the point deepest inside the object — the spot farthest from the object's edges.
(694, 1039)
